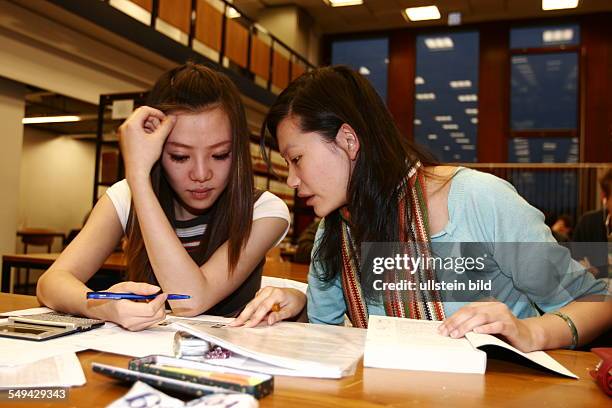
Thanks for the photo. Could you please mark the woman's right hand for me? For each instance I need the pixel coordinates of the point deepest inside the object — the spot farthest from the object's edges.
(142, 137)
(135, 316)
(291, 303)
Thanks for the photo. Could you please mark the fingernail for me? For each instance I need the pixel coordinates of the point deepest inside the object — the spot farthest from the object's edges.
(454, 334)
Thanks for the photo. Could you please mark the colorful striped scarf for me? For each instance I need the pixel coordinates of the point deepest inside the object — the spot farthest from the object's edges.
(414, 236)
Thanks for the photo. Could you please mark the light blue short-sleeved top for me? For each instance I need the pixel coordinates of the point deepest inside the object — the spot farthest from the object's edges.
(482, 208)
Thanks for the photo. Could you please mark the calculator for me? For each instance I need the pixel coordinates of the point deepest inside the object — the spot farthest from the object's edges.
(45, 326)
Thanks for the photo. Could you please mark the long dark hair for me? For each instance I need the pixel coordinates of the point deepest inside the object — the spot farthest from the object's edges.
(321, 101)
(194, 88)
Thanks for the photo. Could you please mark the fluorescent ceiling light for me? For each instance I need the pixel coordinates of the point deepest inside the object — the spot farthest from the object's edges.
(559, 4)
(419, 80)
(467, 98)
(50, 119)
(447, 148)
(364, 70)
(474, 120)
(446, 118)
(450, 126)
(432, 136)
(439, 43)
(555, 36)
(461, 84)
(342, 3)
(233, 13)
(422, 13)
(457, 134)
(426, 96)
(417, 121)
(462, 140)
(471, 111)
(468, 147)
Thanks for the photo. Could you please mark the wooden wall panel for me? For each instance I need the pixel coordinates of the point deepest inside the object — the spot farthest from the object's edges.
(208, 25)
(280, 70)
(494, 93)
(145, 4)
(260, 57)
(400, 80)
(176, 13)
(236, 42)
(597, 84)
(297, 69)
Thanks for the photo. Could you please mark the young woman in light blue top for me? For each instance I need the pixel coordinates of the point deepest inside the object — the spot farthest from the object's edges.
(347, 158)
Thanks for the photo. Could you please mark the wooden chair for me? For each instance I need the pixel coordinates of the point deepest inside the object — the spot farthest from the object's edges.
(34, 240)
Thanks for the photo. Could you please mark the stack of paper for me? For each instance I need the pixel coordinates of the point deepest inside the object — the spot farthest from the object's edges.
(286, 348)
(63, 370)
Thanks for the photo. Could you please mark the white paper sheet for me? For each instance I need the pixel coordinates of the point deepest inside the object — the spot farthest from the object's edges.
(63, 370)
(538, 357)
(27, 312)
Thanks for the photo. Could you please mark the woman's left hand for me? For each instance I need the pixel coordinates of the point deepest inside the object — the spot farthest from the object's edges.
(492, 317)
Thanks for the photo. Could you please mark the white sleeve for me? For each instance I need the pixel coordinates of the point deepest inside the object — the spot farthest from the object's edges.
(269, 205)
(121, 196)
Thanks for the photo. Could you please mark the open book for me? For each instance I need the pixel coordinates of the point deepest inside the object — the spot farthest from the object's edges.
(416, 345)
(286, 348)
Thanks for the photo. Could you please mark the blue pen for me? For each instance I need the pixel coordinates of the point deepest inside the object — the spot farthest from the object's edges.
(131, 296)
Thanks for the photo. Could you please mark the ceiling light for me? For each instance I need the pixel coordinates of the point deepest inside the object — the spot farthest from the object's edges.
(460, 84)
(471, 111)
(417, 121)
(50, 119)
(462, 140)
(555, 36)
(443, 118)
(468, 147)
(432, 136)
(426, 96)
(467, 98)
(457, 134)
(419, 80)
(474, 120)
(422, 13)
(559, 4)
(233, 13)
(364, 70)
(439, 43)
(342, 3)
(454, 18)
(450, 126)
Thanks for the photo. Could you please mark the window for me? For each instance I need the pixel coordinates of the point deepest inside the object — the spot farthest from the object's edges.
(368, 56)
(544, 70)
(446, 95)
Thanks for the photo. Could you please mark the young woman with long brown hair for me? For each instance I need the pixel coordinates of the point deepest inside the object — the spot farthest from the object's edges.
(193, 221)
(349, 161)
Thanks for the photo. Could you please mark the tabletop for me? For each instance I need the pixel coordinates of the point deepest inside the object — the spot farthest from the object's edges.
(504, 384)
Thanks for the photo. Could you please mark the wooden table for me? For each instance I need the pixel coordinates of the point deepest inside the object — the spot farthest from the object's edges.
(117, 262)
(505, 384)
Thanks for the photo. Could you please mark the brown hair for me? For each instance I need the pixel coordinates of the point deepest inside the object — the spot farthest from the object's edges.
(195, 88)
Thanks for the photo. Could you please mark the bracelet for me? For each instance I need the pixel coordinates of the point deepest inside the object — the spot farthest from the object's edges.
(572, 327)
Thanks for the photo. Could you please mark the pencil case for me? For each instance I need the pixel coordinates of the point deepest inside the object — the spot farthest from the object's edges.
(256, 384)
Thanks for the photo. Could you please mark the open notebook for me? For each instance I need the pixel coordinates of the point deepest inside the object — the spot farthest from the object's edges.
(416, 345)
(286, 348)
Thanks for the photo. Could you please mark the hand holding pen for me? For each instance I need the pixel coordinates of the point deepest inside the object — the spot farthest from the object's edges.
(131, 315)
